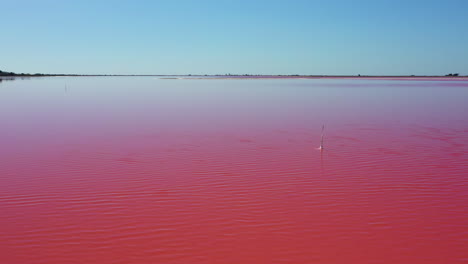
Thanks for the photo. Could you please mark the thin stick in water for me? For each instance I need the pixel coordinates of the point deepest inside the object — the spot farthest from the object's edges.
(321, 139)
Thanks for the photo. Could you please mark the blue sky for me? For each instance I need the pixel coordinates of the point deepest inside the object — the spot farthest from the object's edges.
(238, 37)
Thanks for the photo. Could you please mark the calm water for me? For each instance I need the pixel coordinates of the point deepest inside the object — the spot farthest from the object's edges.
(145, 170)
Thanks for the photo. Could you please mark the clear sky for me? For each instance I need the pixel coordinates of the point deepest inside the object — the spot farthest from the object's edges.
(238, 37)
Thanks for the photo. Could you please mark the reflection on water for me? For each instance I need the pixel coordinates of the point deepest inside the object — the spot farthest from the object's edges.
(8, 78)
(145, 170)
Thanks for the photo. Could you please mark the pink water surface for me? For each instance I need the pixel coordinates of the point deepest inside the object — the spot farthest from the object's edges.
(146, 170)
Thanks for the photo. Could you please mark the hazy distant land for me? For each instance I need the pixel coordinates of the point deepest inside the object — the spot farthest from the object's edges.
(451, 76)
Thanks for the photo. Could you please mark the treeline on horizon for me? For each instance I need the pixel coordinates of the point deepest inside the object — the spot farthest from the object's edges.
(4, 73)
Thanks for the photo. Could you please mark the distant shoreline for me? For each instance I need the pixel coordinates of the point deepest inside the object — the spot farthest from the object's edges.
(383, 77)
(452, 76)
(240, 77)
